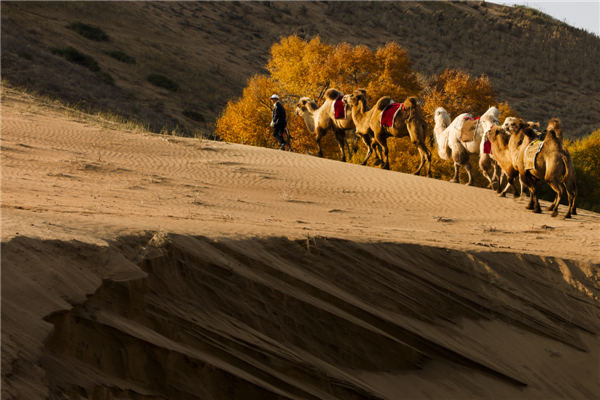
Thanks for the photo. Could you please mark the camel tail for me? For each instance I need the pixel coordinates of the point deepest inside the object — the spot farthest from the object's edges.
(568, 168)
(383, 102)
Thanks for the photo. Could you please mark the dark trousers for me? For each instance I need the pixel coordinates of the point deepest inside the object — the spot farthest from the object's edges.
(278, 131)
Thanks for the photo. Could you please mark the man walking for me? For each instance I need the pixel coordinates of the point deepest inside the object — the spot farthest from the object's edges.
(279, 121)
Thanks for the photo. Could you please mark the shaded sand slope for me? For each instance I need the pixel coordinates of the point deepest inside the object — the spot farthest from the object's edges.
(192, 317)
(144, 267)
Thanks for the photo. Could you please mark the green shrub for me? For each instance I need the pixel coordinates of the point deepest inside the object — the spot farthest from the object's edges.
(196, 116)
(73, 55)
(163, 82)
(120, 56)
(89, 31)
(586, 158)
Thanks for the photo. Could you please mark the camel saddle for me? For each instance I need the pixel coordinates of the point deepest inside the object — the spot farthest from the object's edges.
(531, 153)
(389, 114)
(469, 127)
(339, 108)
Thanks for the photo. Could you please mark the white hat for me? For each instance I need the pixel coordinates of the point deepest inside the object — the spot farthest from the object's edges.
(275, 97)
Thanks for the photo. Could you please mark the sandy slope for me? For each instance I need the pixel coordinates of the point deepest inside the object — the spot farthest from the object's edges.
(151, 266)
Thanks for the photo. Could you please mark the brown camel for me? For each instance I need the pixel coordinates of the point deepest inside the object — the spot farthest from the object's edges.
(551, 164)
(500, 143)
(364, 131)
(409, 121)
(320, 120)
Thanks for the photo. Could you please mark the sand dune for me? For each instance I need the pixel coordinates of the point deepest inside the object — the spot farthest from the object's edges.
(141, 266)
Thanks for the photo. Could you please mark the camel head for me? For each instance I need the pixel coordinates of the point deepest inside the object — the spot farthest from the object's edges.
(441, 118)
(346, 100)
(554, 125)
(511, 124)
(497, 132)
(359, 96)
(304, 105)
(534, 125)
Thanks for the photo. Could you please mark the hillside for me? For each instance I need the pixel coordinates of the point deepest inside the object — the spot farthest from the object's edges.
(207, 51)
(149, 267)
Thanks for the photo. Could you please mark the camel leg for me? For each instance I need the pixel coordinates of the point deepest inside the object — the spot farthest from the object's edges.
(340, 136)
(500, 179)
(348, 152)
(425, 158)
(536, 203)
(484, 162)
(467, 167)
(534, 200)
(368, 142)
(571, 194)
(421, 163)
(526, 185)
(455, 178)
(509, 183)
(498, 176)
(554, 205)
(320, 134)
(386, 154)
(558, 188)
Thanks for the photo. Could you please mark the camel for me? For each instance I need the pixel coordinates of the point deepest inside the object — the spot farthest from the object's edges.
(512, 124)
(409, 122)
(320, 120)
(500, 142)
(361, 115)
(449, 144)
(552, 164)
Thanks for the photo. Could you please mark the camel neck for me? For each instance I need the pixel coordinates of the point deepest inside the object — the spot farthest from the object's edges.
(309, 120)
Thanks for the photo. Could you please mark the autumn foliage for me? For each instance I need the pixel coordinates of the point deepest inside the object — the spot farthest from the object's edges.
(297, 68)
(307, 68)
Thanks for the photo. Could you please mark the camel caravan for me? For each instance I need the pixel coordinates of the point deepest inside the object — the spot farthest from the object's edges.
(514, 149)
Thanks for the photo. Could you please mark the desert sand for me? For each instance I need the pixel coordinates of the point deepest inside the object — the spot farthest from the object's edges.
(142, 266)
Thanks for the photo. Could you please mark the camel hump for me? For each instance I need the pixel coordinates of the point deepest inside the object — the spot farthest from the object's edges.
(383, 102)
(412, 106)
(333, 94)
(410, 102)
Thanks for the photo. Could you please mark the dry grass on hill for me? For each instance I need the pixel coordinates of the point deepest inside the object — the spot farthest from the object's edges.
(541, 66)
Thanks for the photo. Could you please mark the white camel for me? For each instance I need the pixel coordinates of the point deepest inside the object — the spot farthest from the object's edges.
(450, 146)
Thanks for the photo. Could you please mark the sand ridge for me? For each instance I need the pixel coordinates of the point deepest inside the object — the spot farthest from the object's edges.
(145, 266)
(67, 169)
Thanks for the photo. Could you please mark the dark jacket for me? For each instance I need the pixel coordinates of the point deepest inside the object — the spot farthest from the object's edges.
(279, 119)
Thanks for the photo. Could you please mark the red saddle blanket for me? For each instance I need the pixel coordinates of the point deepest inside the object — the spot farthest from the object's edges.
(339, 109)
(487, 147)
(389, 114)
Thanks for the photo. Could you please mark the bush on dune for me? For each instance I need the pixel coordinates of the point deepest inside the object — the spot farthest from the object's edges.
(586, 158)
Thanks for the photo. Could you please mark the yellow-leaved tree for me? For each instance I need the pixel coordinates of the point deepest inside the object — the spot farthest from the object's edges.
(307, 68)
(298, 67)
